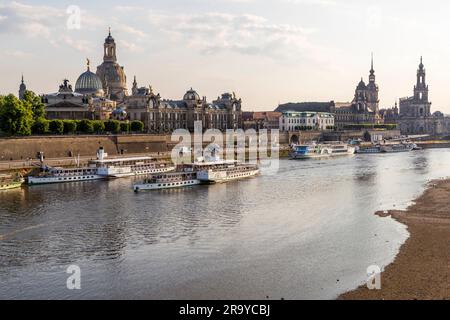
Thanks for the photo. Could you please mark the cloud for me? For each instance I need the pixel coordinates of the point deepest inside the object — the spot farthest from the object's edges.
(16, 54)
(79, 45)
(131, 31)
(130, 46)
(212, 33)
(33, 20)
(42, 22)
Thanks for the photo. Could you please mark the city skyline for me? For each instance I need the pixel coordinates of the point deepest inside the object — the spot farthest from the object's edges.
(240, 46)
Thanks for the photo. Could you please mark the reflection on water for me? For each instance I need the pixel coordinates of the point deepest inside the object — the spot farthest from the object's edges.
(308, 232)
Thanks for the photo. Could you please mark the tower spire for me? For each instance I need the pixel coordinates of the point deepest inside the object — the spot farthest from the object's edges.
(372, 71)
(372, 61)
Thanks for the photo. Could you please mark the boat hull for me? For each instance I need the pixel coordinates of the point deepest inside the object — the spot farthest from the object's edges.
(10, 186)
(167, 185)
(129, 172)
(294, 156)
(211, 177)
(52, 180)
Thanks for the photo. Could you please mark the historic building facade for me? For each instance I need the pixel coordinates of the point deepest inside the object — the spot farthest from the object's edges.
(104, 95)
(364, 109)
(415, 115)
(390, 115)
(162, 115)
(294, 121)
(87, 101)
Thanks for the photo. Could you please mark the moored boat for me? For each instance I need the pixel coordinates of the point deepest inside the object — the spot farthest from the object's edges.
(128, 166)
(8, 182)
(168, 181)
(49, 175)
(313, 150)
(227, 172)
(369, 150)
(395, 148)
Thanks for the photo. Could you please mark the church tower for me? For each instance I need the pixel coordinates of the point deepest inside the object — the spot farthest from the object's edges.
(22, 89)
(111, 73)
(421, 88)
(110, 49)
(134, 90)
(372, 91)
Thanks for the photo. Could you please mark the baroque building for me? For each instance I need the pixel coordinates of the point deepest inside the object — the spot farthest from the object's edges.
(162, 115)
(103, 95)
(415, 112)
(87, 101)
(111, 74)
(364, 108)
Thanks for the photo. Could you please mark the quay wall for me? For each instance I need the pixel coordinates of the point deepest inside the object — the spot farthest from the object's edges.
(55, 146)
(24, 148)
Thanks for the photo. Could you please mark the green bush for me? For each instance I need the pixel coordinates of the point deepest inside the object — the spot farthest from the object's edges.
(40, 126)
(112, 126)
(86, 126)
(70, 126)
(125, 127)
(99, 126)
(137, 126)
(56, 126)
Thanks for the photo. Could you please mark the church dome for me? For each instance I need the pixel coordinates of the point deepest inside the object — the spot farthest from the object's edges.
(109, 38)
(361, 85)
(191, 95)
(89, 83)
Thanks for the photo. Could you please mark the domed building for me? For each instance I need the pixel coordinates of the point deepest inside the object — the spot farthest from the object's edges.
(111, 74)
(191, 95)
(88, 101)
(89, 83)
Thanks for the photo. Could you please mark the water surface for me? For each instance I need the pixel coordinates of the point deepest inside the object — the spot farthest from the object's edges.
(307, 233)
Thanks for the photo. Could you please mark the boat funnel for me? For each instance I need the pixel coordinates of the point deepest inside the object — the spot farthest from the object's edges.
(101, 154)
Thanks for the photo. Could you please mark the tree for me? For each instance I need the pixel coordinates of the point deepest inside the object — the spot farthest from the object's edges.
(70, 126)
(16, 117)
(57, 126)
(125, 127)
(40, 126)
(99, 126)
(36, 104)
(137, 126)
(86, 126)
(112, 126)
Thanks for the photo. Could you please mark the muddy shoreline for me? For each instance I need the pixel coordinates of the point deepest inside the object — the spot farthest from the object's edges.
(422, 268)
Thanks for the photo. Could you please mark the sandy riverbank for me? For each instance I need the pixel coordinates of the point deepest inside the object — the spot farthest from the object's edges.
(422, 268)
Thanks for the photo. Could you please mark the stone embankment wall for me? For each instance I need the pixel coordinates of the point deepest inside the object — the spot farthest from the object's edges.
(13, 149)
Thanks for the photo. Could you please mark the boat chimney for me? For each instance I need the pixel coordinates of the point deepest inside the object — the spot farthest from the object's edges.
(101, 155)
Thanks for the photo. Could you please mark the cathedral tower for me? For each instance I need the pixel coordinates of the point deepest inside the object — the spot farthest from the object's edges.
(421, 88)
(372, 91)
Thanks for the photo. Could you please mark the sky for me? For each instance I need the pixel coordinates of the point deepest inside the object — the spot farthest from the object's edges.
(266, 51)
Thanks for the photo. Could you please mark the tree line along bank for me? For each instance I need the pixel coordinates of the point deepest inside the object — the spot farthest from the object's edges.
(27, 117)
